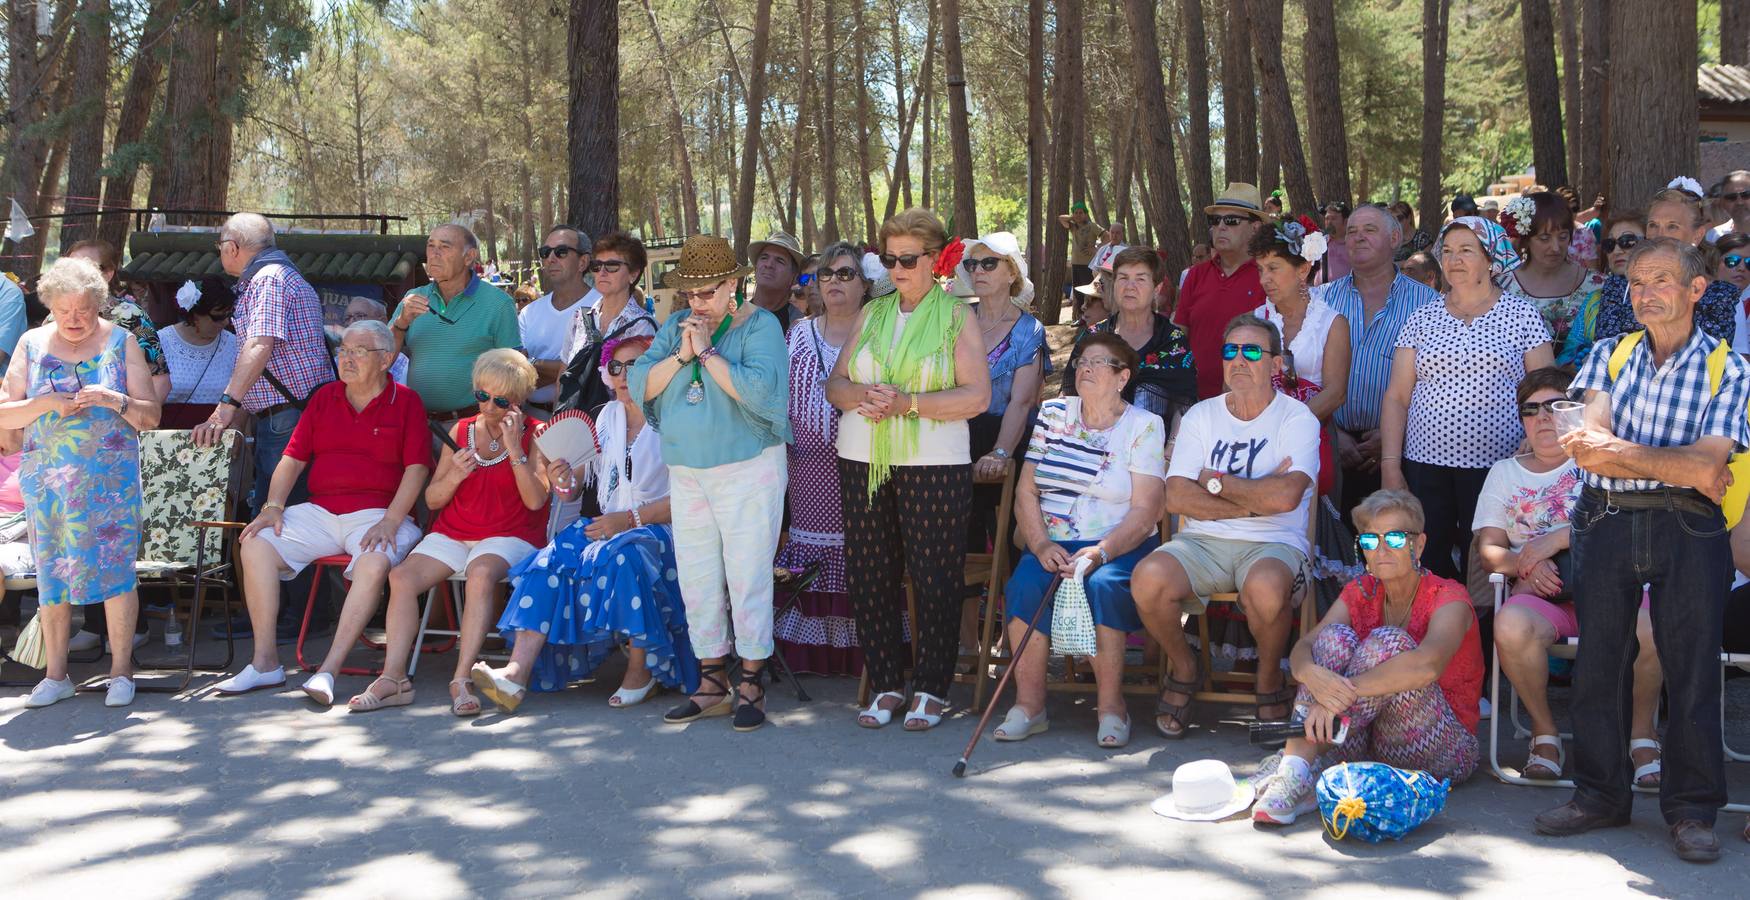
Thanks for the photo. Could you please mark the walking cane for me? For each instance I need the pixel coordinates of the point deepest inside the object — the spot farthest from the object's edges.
(996, 696)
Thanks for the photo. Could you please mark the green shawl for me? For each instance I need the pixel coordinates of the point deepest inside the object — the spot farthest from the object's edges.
(930, 333)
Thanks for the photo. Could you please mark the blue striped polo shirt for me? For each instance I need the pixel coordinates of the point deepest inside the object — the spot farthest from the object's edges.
(1371, 344)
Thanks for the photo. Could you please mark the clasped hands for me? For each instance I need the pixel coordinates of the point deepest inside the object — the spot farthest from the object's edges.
(881, 401)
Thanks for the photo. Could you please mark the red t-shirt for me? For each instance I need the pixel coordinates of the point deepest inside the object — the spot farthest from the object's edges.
(357, 458)
(1209, 300)
(487, 503)
(1462, 682)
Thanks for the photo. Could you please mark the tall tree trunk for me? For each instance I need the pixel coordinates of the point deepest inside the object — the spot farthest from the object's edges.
(1167, 210)
(1734, 32)
(191, 114)
(1266, 21)
(1543, 93)
(929, 180)
(683, 158)
(90, 60)
(28, 86)
(1595, 65)
(1239, 100)
(742, 221)
(1571, 86)
(1066, 87)
(1325, 125)
(593, 64)
(1036, 149)
(901, 158)
(1651, 130)
(1431, 201)
(229, 84)
(57, 141)
(829, 173)
(800, 174)
(959, 133)
(144, 69)
(1197, 161)
(860, 67)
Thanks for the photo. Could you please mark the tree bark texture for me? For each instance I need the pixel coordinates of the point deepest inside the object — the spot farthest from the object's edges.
(1066, 87)
(1326, 128)
(1036, 147)
(1651, 128)
(865, 133)
(1155, 150)
(1734, 32)
(128, 149)
(1431, 201)
(87, 115)
(1266, 22)
(1197, 160)
(192, 116)
(965, 215)
(829, 178)
(1239, 99)
(1543, 93)
(742, 221)
(683, 157)
(1594, 77)
(1570, 37)
(593, 135)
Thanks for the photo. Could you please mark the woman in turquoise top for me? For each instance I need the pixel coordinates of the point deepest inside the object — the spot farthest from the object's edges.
(715, 385)
(81, 389)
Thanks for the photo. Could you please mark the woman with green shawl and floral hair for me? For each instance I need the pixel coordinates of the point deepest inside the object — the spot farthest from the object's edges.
(912, 376)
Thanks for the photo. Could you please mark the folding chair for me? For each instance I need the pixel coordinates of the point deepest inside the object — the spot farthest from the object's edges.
(791, 585)
(1306, 609)
(452, 590)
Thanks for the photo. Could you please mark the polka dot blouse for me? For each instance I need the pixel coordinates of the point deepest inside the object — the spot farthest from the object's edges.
(1463, 411)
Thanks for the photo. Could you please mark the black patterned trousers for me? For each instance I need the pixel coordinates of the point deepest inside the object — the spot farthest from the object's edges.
(916, 523)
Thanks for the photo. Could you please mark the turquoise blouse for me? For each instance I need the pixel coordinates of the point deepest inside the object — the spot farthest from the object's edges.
(718, 430)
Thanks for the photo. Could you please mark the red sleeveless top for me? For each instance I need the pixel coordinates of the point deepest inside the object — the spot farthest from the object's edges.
(487, 503)
(1462, 682)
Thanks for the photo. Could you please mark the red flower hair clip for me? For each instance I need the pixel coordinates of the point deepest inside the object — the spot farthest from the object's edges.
(948, 259)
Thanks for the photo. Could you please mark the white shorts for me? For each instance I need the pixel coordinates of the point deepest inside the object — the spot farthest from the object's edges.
(308, 532)
(458, 555)
(16, 558)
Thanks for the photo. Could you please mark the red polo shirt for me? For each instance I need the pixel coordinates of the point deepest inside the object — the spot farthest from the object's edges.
(357, 457)
(1209, 300)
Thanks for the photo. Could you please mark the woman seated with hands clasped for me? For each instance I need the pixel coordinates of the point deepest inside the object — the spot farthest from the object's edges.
(1091, 490)
(1522, 532)
(1397, 655)
(489, 496)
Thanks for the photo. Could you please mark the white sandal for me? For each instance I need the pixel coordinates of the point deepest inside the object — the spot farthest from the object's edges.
(1017, 726)
(1542, 768)
(625, 696)
(921, 701)
(1652, 768)
(1114, 732)
(879, 715)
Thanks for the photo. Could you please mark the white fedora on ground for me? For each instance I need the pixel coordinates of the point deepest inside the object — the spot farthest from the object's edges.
(1204, 791)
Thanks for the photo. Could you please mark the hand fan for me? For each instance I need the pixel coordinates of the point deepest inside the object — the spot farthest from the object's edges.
(570, 435)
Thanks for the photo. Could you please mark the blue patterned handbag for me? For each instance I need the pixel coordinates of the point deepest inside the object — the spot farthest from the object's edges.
(1374, 801)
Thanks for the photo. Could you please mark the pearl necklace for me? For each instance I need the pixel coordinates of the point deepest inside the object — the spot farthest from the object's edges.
(492, 446)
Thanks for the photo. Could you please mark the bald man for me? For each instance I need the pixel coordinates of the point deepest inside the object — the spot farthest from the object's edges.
(445, 325)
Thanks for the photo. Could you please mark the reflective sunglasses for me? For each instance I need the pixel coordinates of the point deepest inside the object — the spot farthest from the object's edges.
(618, 367)
(1229, 221)
(908, 261)
(1252, 352)
(607, 265)
(804, 279)
(560, 252)
(500, 402)
(1626, 242)
(1735, 197)
(1530, 408)
(1087, 362)
(1396, 540)
(842, 273)
(1734, 261)
(989, 264)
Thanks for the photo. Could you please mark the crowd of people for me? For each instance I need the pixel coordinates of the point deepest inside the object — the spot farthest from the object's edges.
(856, 413)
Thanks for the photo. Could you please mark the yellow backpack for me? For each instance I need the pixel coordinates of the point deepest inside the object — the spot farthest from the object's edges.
(1739, 464)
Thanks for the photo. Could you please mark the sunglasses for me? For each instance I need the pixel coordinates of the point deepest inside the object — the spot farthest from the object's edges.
(1530, 408)
(989, 264)
(803, 280)
(700, 294)
(908, 261)
(1626, 242)
(1735, 197)
(618, 367)
(560, 252)
(1396, 540)
(500, 402)
(1252, 352)
(1229, 221)
(1734, 261)
(1087, 362)
(607, 265)
(843, 273)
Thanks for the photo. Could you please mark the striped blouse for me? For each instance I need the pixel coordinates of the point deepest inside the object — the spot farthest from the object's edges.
(1083, 474)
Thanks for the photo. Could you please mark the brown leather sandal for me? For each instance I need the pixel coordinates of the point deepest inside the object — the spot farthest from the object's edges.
(1282, 696)
(1178, 711)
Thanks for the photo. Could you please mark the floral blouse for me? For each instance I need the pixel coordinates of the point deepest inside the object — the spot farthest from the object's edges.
(1559, 312)
(1165, 383)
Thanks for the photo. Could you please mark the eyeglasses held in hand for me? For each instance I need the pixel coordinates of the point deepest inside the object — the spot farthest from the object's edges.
(500, 402)
(908, 261)
(617, 367)
(606, 265)
(1530, 408)
(989, 264)
(1626, 242)
(1396, 540)
(842, 273)
(1252, 352)
(560, 252)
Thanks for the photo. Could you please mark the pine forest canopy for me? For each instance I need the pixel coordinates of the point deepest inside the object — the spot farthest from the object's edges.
(444, 108)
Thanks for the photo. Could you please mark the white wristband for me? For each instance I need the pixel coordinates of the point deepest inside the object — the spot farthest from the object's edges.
(637, 521)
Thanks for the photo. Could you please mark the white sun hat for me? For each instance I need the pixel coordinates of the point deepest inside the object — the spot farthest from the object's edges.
(1204, 791)
(1003, 244)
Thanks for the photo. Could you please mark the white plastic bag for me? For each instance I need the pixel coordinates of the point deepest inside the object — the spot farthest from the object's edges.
(1072, 619)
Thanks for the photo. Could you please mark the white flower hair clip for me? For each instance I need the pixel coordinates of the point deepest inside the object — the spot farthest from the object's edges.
(188, 295)
(1522, 210)
(1313, 246)
(873, 270)
(1687, 184)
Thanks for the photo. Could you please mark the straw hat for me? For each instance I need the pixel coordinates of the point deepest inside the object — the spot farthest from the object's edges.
(705, 259)
(1204, 791)
(1239, 198)
(781, 241)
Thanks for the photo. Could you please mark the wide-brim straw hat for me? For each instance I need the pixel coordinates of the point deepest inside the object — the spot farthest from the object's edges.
(781, 241)
(1239, 197)
(705, 259)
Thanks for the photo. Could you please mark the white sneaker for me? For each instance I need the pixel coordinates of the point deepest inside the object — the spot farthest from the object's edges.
(48, 692)
(252, 679)
(121, 691)
(320, 688)
(83, 642)
(1286, 795)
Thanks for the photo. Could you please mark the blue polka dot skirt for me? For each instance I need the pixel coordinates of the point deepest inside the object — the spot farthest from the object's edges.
(589, 596)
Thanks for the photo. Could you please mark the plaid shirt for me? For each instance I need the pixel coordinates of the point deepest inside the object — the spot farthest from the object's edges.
(1671, 406)
(280, 304)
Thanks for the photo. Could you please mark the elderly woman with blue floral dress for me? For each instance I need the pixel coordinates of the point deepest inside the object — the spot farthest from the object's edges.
(81, 389)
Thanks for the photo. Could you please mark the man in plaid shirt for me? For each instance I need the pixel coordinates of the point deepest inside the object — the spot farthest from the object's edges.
(283, 355)
(1654, 451)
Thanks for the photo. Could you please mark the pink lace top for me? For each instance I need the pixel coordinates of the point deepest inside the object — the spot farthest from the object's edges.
(1462, 682)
